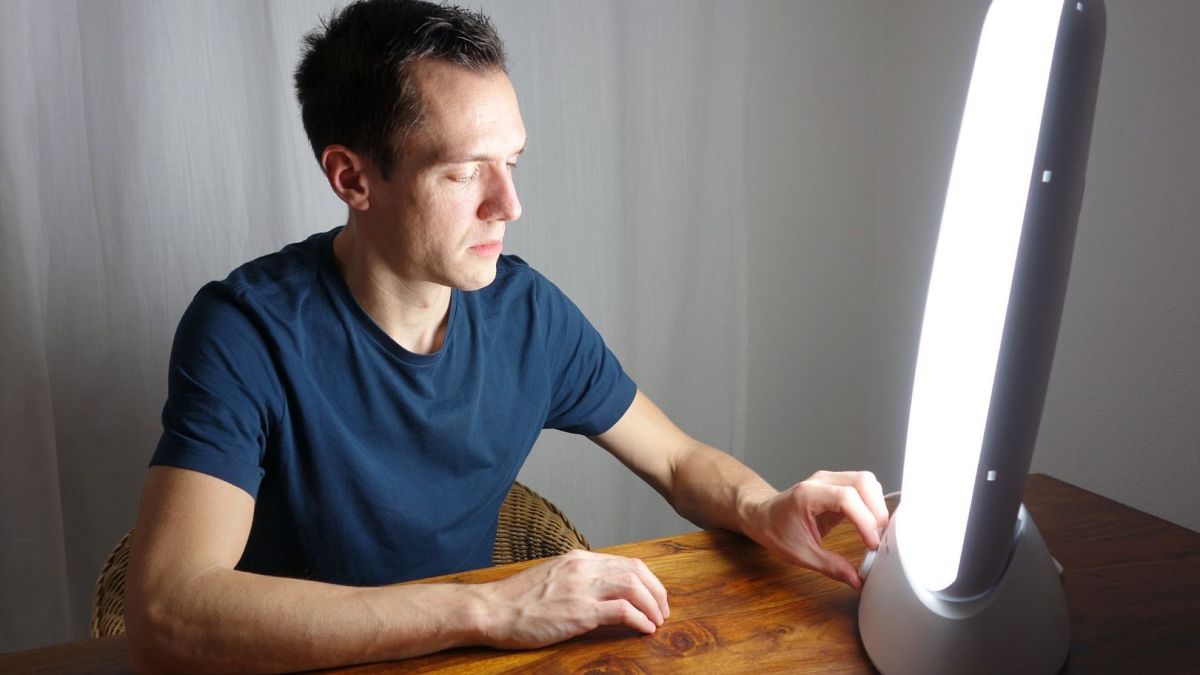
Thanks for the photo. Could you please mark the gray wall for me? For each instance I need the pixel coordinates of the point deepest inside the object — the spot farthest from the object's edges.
(854, 141)
(812, 172)
(1123, 412)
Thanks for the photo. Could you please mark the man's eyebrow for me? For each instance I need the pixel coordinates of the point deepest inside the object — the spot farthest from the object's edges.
(463, 159)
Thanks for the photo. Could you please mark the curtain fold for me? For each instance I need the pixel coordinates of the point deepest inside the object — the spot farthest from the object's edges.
(148, 147)
(33, 567)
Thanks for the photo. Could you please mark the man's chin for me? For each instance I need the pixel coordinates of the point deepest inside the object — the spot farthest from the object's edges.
(481, 279)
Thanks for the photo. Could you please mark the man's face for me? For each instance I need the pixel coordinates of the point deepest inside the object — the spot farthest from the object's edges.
(443, 212)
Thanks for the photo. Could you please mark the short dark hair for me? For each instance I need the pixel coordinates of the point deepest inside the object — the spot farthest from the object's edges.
(354, 81)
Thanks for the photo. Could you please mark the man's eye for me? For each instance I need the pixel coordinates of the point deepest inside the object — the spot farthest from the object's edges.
(467, 179)
(512, 165)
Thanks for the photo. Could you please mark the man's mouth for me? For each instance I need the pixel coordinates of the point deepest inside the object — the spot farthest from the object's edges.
(489, 248)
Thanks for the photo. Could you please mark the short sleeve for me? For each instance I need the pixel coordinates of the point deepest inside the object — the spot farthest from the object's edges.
(222, 393)
(590, 390)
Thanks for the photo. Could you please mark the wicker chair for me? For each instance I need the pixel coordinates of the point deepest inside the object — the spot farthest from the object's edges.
(529, 527)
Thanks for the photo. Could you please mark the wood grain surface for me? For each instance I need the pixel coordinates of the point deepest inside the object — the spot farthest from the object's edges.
(733, 608)
(1132, 584)
(1132, 581)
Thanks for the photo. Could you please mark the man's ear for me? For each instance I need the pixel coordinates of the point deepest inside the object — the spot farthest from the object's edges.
(346, 171)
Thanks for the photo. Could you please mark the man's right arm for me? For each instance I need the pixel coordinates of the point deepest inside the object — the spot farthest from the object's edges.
(187, 608)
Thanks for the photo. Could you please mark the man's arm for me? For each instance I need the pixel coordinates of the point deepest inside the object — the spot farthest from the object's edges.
(187, 608)
(712, 489)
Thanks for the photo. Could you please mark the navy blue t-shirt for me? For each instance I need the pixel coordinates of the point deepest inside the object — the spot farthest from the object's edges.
(371, 464)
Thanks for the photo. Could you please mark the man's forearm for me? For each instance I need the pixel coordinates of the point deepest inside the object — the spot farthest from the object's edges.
(703, 484)
(712, 489)
(231, 621)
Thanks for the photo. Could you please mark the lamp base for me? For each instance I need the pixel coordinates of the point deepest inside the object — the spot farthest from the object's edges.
(1020, 626)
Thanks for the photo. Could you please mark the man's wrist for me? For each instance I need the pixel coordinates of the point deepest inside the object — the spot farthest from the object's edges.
(435, 618)
(472, 619)
(750, 505)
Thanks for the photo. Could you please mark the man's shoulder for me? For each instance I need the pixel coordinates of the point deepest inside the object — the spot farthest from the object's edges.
(512, 265)
(520, 288)
(276, 286)
(517, 278)
(514, 276)
(294, 265)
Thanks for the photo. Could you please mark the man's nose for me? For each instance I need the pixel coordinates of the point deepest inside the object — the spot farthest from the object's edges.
(501, 202)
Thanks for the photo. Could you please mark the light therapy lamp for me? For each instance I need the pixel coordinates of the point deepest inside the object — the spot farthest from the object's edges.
(962, 581)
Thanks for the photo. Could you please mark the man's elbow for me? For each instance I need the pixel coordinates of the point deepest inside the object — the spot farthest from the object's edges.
(153, 630)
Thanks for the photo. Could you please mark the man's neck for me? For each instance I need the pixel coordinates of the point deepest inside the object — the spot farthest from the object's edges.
(413, 313)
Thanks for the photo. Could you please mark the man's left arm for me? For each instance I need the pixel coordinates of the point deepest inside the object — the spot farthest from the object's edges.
(712, 489)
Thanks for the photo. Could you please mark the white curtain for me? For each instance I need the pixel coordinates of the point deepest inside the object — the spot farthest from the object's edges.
(147, 147)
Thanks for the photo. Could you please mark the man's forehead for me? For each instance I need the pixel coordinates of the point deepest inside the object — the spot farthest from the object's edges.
(466, 115)
(449, 148)
(481, 152)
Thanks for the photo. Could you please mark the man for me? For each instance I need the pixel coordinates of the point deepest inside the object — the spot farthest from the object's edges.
(350, 411)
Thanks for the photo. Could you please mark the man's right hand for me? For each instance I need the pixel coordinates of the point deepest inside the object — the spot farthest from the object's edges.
(571, 595)
(187, 607)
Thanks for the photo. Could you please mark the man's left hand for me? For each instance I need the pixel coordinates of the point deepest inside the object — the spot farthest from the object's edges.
(792, 524)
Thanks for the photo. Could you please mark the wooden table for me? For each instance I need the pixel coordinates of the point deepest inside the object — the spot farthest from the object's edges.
(1132, 583)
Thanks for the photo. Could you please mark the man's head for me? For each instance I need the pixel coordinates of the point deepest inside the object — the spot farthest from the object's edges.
(355, 81)
(417, 128)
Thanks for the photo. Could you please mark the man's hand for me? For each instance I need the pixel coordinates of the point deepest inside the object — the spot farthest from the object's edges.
(792, 523)
(571, 595)
(712, 489)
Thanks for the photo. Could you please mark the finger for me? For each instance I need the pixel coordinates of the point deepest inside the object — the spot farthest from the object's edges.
(848, 502)
(629, 586)
(867, 485)
(614, 612)
(872, 493)
(651, 582)
(836, 567)
(655, 586)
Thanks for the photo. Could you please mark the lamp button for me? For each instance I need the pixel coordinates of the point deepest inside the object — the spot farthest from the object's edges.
(867, 562)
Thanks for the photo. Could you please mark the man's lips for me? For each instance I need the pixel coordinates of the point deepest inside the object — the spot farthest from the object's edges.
(493, 247)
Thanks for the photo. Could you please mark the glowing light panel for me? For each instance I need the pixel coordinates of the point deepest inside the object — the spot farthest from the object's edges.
(972, 276)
